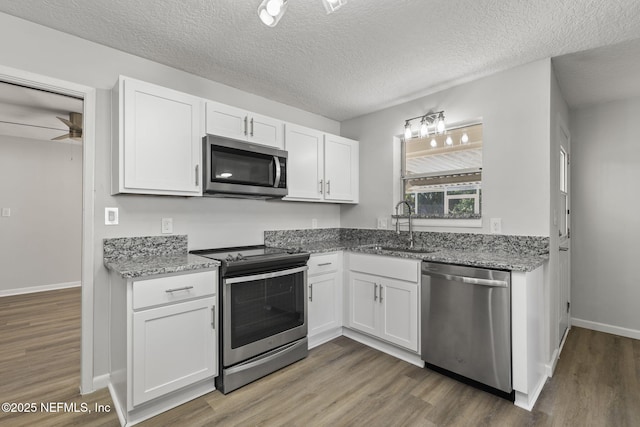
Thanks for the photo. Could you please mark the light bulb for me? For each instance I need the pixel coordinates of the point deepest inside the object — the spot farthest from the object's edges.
(465, 138)
(434, 143)
(266, 18)
(440, 126)
(274, 7)
(407, 131)
(424, 129)
(449, 141)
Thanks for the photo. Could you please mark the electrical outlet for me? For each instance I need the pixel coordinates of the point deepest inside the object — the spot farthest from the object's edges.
(111, 216)
(314, 223)
(496, 225)
(382, 223)
(6, 212)
(167, 226)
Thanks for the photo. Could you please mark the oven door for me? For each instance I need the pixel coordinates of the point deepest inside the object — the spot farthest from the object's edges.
(262, 312)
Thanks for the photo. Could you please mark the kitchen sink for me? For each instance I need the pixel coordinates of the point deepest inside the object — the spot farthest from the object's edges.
(420, 250)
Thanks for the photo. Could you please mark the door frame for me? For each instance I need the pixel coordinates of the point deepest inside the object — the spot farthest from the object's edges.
(565, 240)
(88, 95)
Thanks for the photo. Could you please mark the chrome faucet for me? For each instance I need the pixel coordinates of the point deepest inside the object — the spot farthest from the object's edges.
(410, 225)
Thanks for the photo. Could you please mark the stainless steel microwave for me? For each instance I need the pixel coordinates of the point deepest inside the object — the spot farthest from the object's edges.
(235, 168)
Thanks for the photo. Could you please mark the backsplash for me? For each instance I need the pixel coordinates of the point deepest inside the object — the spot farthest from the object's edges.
(525, 245)
(131, 247)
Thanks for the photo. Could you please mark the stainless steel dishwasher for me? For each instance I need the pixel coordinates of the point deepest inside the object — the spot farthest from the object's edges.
(466, 324)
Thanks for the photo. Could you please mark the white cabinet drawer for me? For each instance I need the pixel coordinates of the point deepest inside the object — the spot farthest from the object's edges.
(165, 290)
(396, 268)
(324, 263)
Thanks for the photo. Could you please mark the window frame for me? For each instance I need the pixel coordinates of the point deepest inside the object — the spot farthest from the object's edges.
(445, 221)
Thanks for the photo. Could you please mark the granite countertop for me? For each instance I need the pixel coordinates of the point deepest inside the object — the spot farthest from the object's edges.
(501, 260)
(142, 266)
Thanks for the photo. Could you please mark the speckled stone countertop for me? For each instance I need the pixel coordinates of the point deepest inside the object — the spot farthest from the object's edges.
(514, 253)
(135, 257)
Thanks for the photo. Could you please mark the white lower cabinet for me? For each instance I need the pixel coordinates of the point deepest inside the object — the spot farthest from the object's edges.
(164, 341)
(384, 307)
(324, 295)
(173, 346)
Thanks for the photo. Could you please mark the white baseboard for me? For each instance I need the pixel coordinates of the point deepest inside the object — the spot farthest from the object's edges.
(101, 381)
(609, 329)
(42, 288)
(323, 337)
(527, 402)
(406, 355)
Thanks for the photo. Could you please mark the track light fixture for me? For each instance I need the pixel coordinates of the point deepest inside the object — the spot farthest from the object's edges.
(333, 5)
(431, 119)
(271, 11)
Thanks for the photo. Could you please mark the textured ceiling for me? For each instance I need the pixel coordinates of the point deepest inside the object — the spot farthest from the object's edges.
(368, 55)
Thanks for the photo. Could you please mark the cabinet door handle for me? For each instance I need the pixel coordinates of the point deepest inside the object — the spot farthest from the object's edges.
(324, 263)
(246, 118)
(311, 292)
(252, 127)
(321, 182)
(380, 293)
(186, 288)
(197, 175)
(213, 317)
(328, 186)
(375, 292)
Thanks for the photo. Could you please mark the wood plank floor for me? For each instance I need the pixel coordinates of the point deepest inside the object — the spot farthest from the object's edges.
(341, 383)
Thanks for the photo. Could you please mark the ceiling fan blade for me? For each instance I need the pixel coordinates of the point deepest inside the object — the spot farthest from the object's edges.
(71, 125)
(61, 137)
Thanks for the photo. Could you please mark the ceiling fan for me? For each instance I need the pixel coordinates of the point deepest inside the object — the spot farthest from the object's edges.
(75, 127)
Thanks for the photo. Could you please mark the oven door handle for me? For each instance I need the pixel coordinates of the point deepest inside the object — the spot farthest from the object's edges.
(263, 276)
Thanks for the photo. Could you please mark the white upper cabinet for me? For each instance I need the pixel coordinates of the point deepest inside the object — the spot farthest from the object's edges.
(157, 145)
(236, 123)
(305, 163)
(340, 169)
(321, 167)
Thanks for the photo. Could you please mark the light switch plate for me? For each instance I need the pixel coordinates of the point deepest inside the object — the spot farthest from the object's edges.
(167, 226)
(111, 216)
(6, 211)
(496, 225)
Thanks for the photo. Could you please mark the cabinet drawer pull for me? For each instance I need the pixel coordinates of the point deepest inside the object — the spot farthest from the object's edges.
(311, 292)
(245, 125)
(197, 175)
(252, 127)
(328, 186)
(375, 292)
(321, 182)
(186, 288)
(380, 293)
(324, 263)
(213, 317)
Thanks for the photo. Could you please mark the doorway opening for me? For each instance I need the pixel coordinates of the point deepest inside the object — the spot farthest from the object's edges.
(88, 97)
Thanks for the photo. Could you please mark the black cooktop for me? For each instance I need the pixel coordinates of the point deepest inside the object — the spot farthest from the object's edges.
(245, 259)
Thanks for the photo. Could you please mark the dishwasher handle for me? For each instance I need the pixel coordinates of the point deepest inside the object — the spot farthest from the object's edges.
(470, 280)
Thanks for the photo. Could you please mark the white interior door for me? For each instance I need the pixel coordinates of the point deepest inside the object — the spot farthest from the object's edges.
(564, 223)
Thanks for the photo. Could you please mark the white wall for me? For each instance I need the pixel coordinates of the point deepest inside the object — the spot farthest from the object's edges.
(41, 182)
(207, 222)
(605, 172)
(515, 109)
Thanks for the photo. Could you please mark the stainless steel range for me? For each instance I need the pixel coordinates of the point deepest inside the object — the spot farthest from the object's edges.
(263, 314)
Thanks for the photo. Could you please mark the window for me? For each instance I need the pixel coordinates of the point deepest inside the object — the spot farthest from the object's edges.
(564, 193)
(442, 174)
